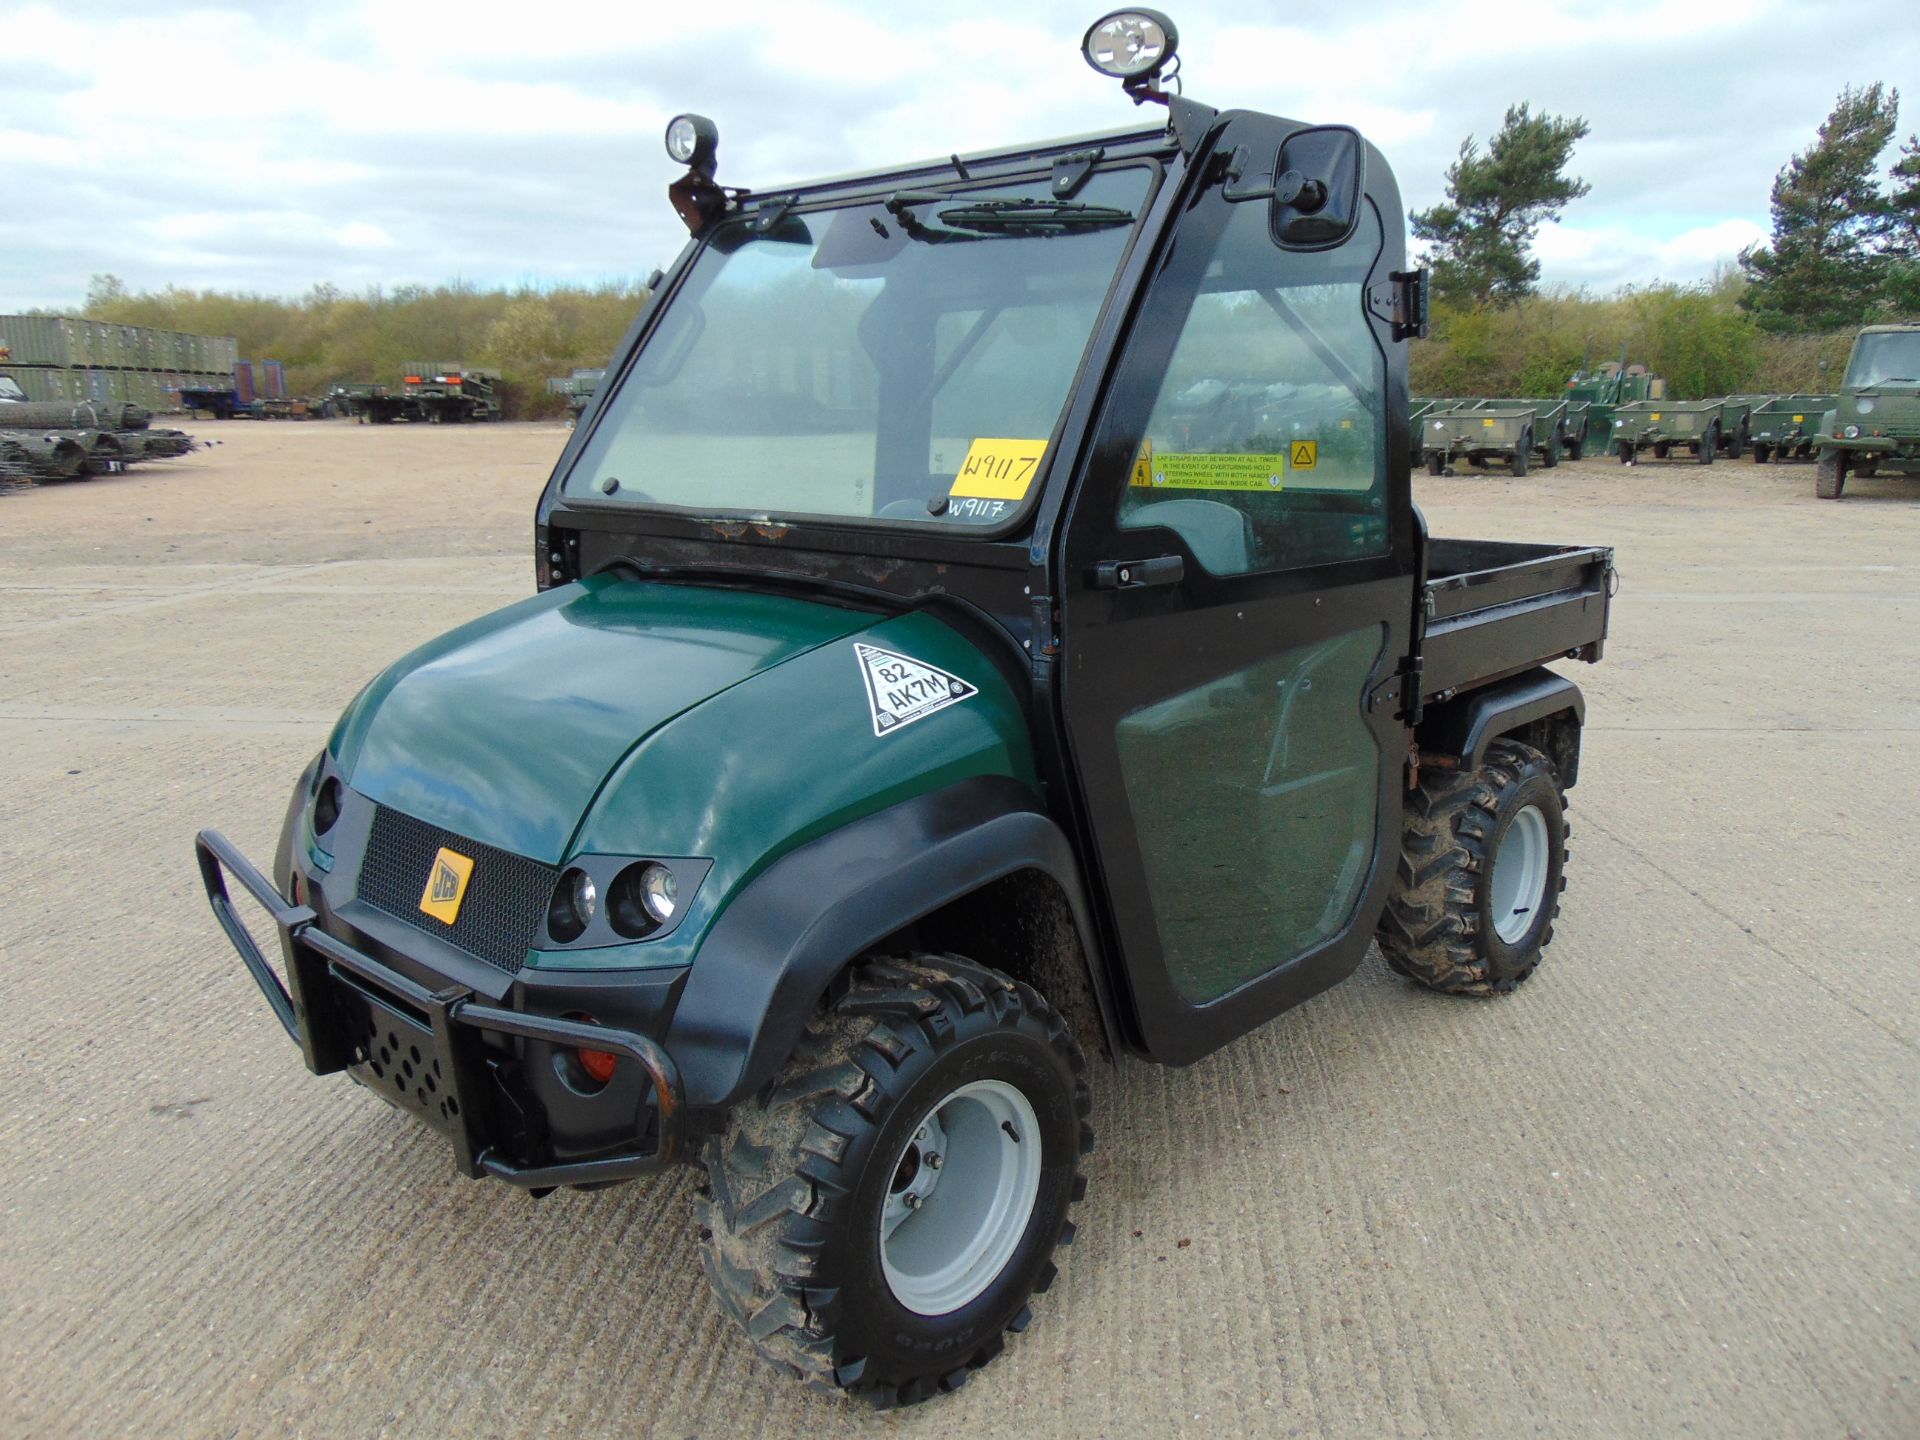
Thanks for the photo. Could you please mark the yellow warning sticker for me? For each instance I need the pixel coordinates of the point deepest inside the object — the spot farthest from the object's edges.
(1799, 419)
(446, 886)
(1655, 416)
(998, 469)
(1214, 472)
(1306, 454)
(1488, 424)
(1143, 466)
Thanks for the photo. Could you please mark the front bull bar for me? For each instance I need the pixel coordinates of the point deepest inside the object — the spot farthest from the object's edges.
(451, 1013)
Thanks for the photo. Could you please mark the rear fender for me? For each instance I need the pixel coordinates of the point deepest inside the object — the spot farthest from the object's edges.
(1538, 708)
(772, 954)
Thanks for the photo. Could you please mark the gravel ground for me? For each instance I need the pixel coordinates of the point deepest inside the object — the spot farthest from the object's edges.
(1667, 1188)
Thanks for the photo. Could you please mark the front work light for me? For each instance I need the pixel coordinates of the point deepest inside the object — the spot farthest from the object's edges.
(692, 141)
(1130, 45)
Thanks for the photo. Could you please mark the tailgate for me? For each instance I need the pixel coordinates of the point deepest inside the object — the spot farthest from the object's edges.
(1495, 608)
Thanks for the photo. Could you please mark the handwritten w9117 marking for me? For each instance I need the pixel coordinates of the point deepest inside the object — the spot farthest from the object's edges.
(901, 689)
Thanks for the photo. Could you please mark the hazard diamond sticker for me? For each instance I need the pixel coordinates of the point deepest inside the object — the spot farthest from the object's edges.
(901, 690)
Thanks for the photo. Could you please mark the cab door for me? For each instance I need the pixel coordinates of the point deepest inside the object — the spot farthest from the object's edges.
(1236, 572)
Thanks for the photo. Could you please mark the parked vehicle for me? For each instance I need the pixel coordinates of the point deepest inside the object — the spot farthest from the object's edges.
(1874, 426)
(1481, 431)
(976, 685)
(1660, 425)
(1783, 427)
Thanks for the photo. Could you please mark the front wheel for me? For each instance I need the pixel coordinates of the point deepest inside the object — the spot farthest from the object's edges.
(1830, 475)
(1761, 451)
(880, 1214)
(1481, 869)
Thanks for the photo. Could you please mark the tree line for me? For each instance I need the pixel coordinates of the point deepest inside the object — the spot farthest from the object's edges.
(1845, 250)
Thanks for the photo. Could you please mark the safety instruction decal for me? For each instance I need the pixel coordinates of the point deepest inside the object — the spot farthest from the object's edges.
(1169, 471)
(901, 690)
(998, 469)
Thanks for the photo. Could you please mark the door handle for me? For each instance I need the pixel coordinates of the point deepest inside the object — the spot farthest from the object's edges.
(1137, 574)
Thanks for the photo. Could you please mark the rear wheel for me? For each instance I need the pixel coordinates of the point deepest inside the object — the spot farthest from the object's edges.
(1830, 475)
(880, 1214)
(1481, 870)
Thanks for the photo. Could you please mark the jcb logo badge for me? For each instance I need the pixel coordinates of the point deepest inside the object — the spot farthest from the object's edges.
(446, 886)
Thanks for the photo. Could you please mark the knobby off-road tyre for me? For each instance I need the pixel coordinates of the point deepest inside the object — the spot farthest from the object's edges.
(1761, 452)
(1709, 446)
(1551, 460)
(810, 1171)
(1522, 457)
(1662, 449)
(1462, 918)
(1830, 475)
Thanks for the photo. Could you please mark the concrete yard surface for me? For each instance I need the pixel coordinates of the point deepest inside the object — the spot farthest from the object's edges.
(1668, 1187)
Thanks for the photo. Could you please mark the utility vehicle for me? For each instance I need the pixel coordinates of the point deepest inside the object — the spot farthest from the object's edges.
(982, 618)
(1874, 425)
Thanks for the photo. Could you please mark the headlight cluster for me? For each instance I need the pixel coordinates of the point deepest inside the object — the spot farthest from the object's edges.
(1852, 432)
(632, 899)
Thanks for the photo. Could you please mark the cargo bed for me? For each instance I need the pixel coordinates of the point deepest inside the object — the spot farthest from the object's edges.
(1494, 608)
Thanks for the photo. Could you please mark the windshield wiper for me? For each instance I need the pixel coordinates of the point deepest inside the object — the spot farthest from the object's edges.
(1033, 217)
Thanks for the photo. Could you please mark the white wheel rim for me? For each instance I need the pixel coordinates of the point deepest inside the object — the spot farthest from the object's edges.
(1520, 875)
(960, 1195)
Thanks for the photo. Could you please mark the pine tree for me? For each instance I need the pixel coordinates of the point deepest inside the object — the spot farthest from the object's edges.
(1826, 268)
(1903, 234)
(1481, 237)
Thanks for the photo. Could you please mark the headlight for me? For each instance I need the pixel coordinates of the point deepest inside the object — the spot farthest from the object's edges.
(571, 909)
(1864, 405)
(1852, 432)
(644, 897)
(326, 806)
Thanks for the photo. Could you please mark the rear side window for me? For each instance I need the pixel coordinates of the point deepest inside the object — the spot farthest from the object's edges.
(1266, 445)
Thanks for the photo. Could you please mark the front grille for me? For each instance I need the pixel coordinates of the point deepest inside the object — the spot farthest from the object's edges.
(501, 911)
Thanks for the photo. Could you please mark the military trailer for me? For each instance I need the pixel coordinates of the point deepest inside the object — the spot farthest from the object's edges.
(1661, 425)
(1783, 428)
(910, 703)
(1481, 431)
(1874, 425)
(348, 398)
(1735, 429)
(452, 394)
(580, 387)
(1559, 427)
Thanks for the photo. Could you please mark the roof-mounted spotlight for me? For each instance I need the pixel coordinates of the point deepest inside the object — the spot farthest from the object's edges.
(1135, 47)
(693, 141)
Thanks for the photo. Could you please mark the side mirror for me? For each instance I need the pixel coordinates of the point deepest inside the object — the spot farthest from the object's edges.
(1320, 181)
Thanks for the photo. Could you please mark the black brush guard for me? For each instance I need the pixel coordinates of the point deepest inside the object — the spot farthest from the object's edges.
(450, 1020)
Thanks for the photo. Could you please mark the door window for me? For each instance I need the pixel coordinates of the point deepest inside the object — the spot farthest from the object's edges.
(1265, 447)
(1255, 798)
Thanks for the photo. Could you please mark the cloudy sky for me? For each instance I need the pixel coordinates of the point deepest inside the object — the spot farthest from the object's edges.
(270, 146)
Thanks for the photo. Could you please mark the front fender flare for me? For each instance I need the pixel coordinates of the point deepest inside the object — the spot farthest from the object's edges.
(770, 956)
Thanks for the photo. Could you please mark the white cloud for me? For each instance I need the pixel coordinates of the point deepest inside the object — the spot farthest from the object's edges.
(276, 146)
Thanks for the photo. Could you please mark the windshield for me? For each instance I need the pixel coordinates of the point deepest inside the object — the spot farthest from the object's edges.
(902, 361)
(9, 391)
(1891, 357)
